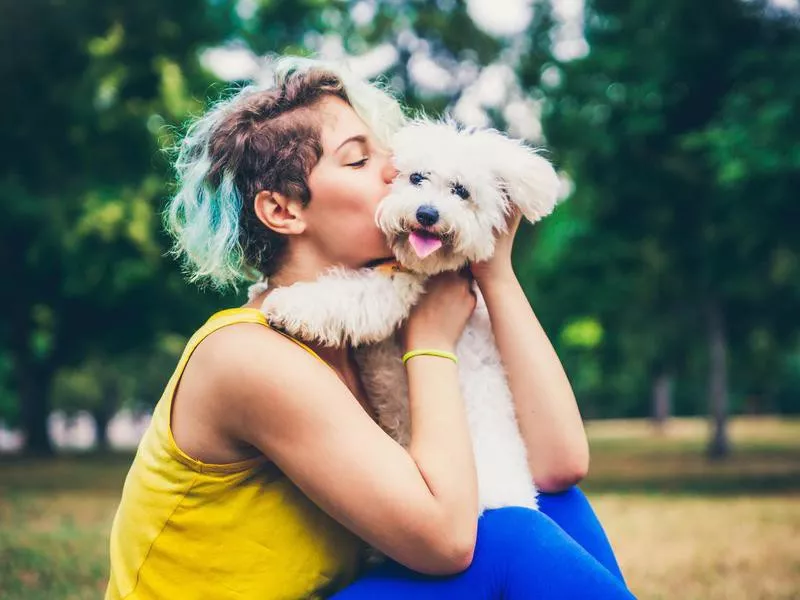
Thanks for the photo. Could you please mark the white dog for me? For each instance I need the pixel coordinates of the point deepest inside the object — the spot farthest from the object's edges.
(452, 197)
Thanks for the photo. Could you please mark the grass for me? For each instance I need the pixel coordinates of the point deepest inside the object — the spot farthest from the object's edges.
(683, 527)
(54, 522)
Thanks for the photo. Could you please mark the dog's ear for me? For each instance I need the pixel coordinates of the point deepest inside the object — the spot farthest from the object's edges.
(527, 179)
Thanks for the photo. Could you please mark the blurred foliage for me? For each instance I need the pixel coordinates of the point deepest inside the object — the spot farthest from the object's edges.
(96, 86)
(678, 132)
(133, 380)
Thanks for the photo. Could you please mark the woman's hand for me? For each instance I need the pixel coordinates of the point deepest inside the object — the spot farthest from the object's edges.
(442, 313)
(499, 265)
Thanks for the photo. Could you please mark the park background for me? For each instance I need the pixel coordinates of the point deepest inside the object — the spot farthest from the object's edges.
(668, 278)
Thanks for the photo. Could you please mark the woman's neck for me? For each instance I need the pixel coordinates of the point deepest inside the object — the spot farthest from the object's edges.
(300, 263)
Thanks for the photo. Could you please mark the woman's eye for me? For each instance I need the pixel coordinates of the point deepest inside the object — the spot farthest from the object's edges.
(358, 163)
(460, 191)
(416, 178)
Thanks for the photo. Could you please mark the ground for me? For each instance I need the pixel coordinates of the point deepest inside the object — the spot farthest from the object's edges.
(686, 528)
(683, 527)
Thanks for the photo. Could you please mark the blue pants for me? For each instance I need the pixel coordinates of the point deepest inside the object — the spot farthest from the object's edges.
(559, 553)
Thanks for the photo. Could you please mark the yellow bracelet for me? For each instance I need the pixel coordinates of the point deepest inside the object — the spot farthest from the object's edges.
(440, 353)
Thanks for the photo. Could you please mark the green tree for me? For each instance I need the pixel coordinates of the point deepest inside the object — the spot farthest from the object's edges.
(646, 124)
(442, 31)
(83, 181)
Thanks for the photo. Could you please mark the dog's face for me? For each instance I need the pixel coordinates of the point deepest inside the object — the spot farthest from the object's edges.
(454, 192)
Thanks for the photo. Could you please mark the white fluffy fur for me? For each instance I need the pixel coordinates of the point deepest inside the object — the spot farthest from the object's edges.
(497, 171)
(344, 307)
(365, 307)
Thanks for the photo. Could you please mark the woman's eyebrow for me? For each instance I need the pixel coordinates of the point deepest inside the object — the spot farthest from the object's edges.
(361, 139)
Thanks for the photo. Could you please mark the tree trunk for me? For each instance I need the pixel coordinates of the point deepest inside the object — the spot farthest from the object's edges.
(101, 418)
(662, 400)
(33, 388)
(719, 445)
(34, 379)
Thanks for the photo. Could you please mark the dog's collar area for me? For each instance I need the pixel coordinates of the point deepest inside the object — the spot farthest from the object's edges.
(390, 266)
(379, 261)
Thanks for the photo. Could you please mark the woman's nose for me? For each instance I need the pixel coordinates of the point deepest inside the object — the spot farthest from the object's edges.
(389, 170)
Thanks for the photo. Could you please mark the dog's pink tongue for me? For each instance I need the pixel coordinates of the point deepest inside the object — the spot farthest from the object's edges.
(424, 245)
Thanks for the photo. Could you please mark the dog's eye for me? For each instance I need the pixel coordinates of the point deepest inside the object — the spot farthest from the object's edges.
(416, 178)
(460, 191)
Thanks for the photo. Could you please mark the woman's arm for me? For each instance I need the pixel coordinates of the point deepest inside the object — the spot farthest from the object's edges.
(548, 415)
(420, 506)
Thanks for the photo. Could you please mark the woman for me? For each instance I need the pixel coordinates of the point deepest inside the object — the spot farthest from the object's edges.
(263, 469)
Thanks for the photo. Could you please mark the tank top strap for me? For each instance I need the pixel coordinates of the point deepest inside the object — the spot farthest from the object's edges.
(231, 316)
(162, 415)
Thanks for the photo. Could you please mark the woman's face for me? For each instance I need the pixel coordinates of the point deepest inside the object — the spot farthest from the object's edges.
(350, 179)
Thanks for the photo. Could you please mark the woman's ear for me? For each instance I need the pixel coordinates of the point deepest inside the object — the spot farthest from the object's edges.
(280, 213)
(527, 179)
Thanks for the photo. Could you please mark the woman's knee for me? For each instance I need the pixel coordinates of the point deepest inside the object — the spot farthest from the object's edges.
(522, 532)
(566, 507)
(572, 496)
(528, 550)
(512, 529)
(573, 513)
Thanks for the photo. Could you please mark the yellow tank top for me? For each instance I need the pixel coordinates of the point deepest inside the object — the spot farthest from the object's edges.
(187, 530)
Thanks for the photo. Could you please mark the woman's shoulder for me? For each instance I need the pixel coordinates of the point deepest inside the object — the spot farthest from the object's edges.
(230, 371)
(244, 360)
(243, 347)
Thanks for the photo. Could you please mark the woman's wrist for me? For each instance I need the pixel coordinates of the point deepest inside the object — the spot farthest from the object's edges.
(487, 276)
(435, 352)
(427, 341)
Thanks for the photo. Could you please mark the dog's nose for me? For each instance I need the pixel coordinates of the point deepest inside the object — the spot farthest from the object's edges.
(427, 215)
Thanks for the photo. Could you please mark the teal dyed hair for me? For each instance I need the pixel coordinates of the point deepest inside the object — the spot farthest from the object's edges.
(214, 231)
(204, 219)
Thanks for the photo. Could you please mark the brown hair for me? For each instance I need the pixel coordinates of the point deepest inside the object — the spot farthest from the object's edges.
(269, 140)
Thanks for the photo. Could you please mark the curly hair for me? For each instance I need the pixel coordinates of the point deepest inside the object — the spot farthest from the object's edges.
(261, 138)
